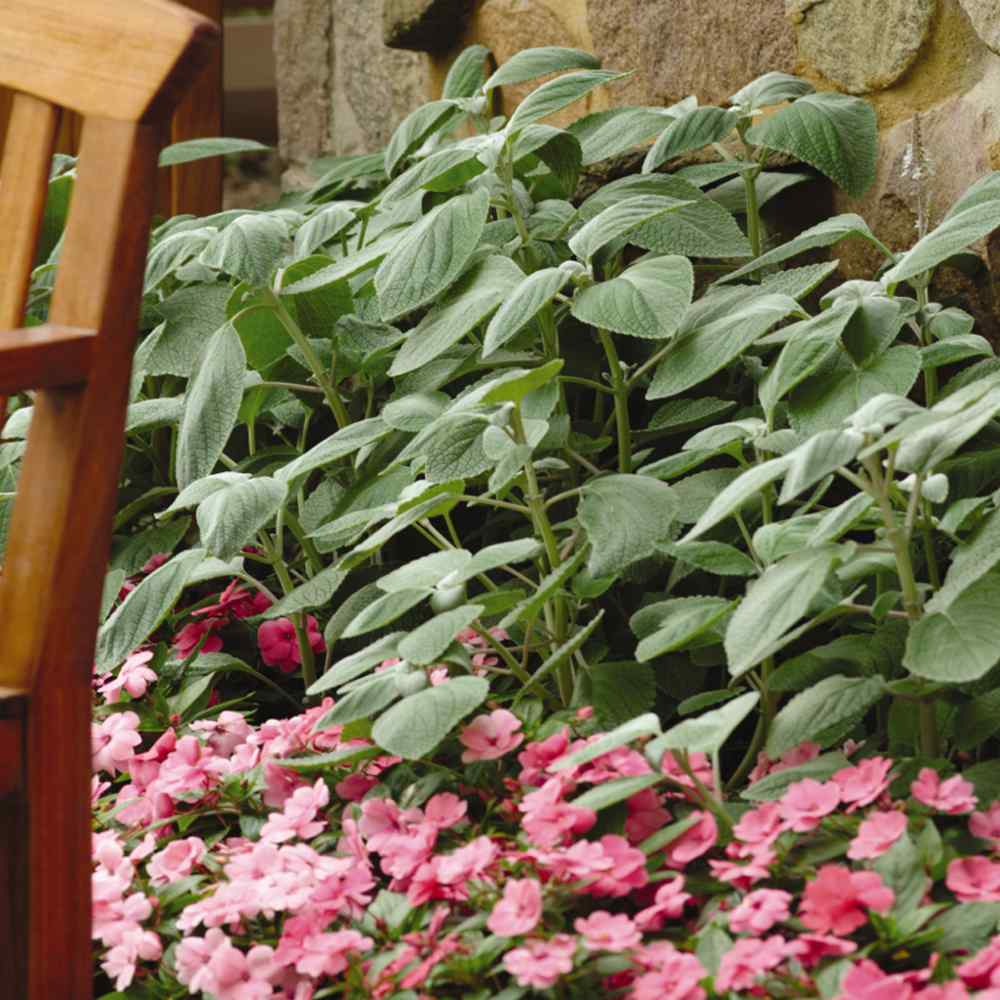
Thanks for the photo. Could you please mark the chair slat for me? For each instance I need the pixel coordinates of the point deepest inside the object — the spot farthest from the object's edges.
(24, 182)
(45, 357)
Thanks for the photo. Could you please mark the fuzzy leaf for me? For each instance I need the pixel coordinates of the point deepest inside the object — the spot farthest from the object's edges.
(619, 220)
(529, 64)
(557, 94)
(249, 248)
(698, 128)
(521, 305)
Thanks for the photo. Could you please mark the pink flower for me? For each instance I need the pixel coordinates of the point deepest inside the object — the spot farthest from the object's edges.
(627, 871)
(862, 785)
(747, 960)
(134, 677)
(213, 965)
(134, 945)
(113, 740)
(878, 832)
(491, 736)
(298, 818)
(279, 643)
(539, 964)
(669, 974)
(316, 954)
(175, 861)
(974, 880)
(760, 826)
(225, 733)
(694, 842)
(836, 900)
(520, 909)
(548, 820)
(953, 797)
(536, 757)
(238, 601)
(760, 911)
(602, 931)
(668, 904)
(986, 825)
(811, 949)
(866, 981)
(445, 810)
(699, 763)
(806, 802)
(983, 969)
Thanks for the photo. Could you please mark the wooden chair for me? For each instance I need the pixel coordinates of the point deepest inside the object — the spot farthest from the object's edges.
(122, 65)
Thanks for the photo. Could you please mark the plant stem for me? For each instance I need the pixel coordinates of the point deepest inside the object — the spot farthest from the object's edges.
(753, 210)
(620, 389)
(315, 365)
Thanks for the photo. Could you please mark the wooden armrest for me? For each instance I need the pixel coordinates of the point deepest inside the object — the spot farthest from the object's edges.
(44, 357)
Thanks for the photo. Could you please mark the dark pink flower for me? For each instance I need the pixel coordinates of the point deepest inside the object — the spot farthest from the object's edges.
(836, 901)
(279, 643)
(668, 904)
(694, 842)
(186, 641)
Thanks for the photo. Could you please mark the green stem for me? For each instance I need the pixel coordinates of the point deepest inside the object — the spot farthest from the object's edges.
(309, 549)
(753, 211)
(312, 360)
(620, 389)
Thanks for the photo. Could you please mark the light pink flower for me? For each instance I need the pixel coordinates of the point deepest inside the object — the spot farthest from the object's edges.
(806, 802)
(986, 825)
(539, 964)
(953, 797)
(445, 810)
(747, 960)
(863, 784)
(520, 909)
(878, 832)
(113, 740)
(175, 861)
(669, 974)
(225, 733)
(694, 842)
(699, 763)
(760, 826)
(836, 901)
(313, 953)
(548, 820)
(974, 880)
(759, 911)
(668, 904)
(134, 677)
(602, 931)
(298, 818)
(491, 736)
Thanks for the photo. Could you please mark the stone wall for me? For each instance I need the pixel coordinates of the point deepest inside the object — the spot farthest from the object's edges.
(938, 58)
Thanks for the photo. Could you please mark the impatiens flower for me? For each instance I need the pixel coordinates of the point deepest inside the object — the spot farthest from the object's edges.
(953, 797)
(811, 949)
(974, 880)
(982, 970)
(214, 965)
(866, 981)
(186, 641)
(113, 740)
(627, 870)
(861, 785)
(878, 832)
(986, 825)
(491, 736)
(760, 826)
(699, 764)
(134, 677)
(279, 643)
(669, 974)
(175, 861)
(668, 904)
(759, 911)
(694, 842)
(603, 931)
(445, 810)
(539, 964)
(549, 820)
(298, 818)
(316, 954)
(520, 909)
(836, 901)
(536, 757)
(747, 960)
(806, 802)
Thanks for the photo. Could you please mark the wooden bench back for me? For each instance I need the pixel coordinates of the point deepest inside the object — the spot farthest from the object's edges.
(122, 65)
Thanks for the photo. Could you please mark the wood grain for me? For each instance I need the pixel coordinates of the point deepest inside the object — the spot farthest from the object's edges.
(45, 357)
(117, 59)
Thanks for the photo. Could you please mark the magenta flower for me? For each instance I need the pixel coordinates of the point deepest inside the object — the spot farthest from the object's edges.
(603, 931)
(186, 641)
(539, 964)
(491, 736)
(974, 880)
(279, 643)
(520, 909)
(878, 832)
(759, 911)
(836, 901)
(806, 802)
(953, 797)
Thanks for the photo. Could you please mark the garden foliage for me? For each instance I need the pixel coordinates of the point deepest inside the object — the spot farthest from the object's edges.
(473, 457)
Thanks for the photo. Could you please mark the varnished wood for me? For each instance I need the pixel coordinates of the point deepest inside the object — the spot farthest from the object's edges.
(196, 188)
(120, 62)
(117, 59)
(45, 357)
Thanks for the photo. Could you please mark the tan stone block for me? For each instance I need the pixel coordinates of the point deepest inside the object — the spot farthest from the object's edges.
(985, 17)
